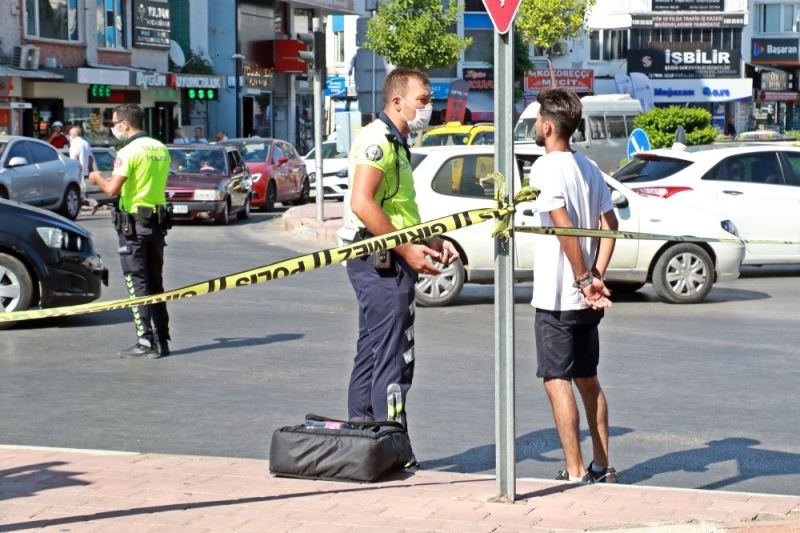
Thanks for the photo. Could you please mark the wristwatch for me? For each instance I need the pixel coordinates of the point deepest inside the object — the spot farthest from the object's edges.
(585, 281)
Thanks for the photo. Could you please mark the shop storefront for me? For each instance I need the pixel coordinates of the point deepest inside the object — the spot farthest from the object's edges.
(719, 96)
(774, 62)
(257, 104)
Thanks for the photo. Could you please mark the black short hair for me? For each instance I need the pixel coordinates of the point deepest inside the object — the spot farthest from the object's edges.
(563, 108)
(132, 114)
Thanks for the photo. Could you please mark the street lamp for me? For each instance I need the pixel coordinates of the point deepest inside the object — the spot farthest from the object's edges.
(238, 58)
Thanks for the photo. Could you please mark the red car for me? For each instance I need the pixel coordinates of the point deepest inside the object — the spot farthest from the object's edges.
(277, 171)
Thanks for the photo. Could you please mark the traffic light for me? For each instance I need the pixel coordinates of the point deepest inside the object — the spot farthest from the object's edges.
(314, 54)
(200, 94)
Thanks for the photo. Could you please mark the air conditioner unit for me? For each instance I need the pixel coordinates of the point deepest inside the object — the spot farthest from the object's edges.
(26, 57)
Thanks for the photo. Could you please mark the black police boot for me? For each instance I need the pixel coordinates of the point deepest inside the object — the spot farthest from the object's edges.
(144, 348)
(163, 348)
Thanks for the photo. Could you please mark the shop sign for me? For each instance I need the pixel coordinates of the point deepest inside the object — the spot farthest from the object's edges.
(688, 5)
(440, 90)
(774, 81)
(105, 94)
(151, 24)
(702, 90)
(688, 21)
(198, 82)
(146, 79)
(673, 64)
(775, 96)
(258, 77)
(578, 80)
(336, 86)
(479, 79)
(776, 51)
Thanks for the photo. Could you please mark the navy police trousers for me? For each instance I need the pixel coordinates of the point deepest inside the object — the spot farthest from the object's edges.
(385, 349)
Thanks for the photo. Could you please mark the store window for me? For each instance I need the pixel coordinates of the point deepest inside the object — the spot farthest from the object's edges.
(111, 23)
(777, 17)
(605, 45)
(52, 19)
(338, 47)
(479, 52)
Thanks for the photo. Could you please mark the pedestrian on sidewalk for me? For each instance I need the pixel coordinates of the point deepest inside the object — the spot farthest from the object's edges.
(569, 294)
(381, 199)
(80, 150)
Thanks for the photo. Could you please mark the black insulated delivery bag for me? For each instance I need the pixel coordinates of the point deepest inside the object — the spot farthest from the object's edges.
(324, 448)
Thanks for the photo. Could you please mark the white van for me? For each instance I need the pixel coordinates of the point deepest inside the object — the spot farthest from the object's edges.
(608, 118)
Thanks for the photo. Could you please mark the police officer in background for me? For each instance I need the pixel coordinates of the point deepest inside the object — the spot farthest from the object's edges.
(381, 199)
(141, 220)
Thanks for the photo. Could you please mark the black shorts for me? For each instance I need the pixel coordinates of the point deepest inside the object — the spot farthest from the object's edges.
(567, 345)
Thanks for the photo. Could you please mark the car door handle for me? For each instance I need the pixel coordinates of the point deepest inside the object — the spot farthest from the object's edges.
(733, 193)
(528, 213)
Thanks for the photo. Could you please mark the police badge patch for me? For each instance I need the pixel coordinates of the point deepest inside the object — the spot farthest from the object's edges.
(374, 152)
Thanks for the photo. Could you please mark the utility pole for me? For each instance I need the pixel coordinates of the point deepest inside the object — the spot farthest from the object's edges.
(314, 58)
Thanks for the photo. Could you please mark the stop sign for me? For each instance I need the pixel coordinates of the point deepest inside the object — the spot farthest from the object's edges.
(502, 13)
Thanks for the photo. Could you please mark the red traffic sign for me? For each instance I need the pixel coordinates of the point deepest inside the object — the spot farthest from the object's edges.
(502, 13)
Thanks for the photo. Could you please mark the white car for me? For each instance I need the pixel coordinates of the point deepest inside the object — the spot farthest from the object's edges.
(757, 187)
(334, 168)
(446, 181)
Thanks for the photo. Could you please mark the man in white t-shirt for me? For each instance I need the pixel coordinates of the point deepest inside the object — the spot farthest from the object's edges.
(568, 291)
(80, 150)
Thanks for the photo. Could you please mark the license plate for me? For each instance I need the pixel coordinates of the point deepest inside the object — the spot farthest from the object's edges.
(180, 209)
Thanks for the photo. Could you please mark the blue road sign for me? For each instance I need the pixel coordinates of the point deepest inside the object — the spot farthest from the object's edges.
(637, 142)
(336, 86)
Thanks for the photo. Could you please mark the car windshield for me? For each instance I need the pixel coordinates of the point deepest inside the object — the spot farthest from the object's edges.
(650, 168)
(445, 139)
(254, 152)
(525, 130)
(104, 160)
(2, 148)
(198, 161)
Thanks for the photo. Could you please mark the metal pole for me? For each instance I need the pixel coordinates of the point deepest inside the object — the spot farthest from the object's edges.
(318, 102)
(238, 56)
(504, 274)
(374, 95)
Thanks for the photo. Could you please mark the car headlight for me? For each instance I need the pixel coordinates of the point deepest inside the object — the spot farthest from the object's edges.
(207, 194)
(60, 239)
(730, 227)
(255, 177)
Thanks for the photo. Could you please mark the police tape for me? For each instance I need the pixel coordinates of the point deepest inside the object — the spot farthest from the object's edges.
(280, 269)
(305, 263)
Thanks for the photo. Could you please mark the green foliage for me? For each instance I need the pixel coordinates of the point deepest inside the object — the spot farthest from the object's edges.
(546, 23)
(661, 123)
(196, 64)
(793, 134)
(416, 33)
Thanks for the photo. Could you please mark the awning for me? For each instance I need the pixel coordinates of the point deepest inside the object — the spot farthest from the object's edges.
(6, 70)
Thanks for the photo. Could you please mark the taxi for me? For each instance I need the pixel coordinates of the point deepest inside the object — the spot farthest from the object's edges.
(457, 134)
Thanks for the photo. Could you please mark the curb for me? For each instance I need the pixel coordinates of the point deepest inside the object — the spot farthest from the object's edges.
(299, 222)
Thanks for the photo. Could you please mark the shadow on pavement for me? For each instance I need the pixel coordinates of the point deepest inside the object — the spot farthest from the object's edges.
(106, 515)
(230, 343)
(531, 446)
(25, 481)
(751, 462)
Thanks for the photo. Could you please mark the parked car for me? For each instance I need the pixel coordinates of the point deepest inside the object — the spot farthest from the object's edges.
(45, 260)
(755, 186)
(334, 167)
(33, 172)
(208, 182)
(447, 181)
(278, 172)
(458, 134)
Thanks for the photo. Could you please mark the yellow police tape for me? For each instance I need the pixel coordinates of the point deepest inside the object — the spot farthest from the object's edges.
(304, 263)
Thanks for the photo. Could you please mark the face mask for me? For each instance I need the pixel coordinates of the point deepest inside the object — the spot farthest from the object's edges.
(422, 118)
(119, 135)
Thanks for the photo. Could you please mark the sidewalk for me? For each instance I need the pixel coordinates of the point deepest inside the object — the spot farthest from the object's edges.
(85, 490)
(302, 220)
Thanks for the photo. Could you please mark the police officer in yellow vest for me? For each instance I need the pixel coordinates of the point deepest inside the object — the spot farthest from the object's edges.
(141, 220)
(381, 199)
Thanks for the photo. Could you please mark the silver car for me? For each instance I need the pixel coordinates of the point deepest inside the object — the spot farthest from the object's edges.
(33, 172)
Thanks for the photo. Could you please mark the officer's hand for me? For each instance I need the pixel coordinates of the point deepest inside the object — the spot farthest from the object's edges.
(416, 255)
(447, 251)
(95, 176)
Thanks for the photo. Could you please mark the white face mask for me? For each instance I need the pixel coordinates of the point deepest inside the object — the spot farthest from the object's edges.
(422, 118)
(119, 135)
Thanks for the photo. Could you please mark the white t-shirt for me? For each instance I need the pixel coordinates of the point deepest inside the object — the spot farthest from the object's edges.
(573, 181)
(79, 149)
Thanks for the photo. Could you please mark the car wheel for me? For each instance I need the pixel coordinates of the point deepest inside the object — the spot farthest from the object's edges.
(225, 216)
(271, 198)
(441, 290)
(244, 214)
(683, 274)
(623, 287)
(3, 193)
(305, 193)
(71, 203)
(16, 286)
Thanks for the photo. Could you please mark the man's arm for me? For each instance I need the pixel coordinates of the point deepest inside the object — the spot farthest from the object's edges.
(608, 221)
(366, 181)
(110, 186)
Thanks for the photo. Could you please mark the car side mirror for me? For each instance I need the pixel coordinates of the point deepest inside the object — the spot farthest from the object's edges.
(238, 170)
(282, 159)
(618, 199)
(17, 162)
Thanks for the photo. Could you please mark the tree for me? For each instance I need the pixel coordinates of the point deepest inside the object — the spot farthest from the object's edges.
(416, 33)
(547, 23)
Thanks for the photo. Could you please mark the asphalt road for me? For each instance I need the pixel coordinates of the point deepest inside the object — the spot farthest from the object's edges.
(701, 396)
